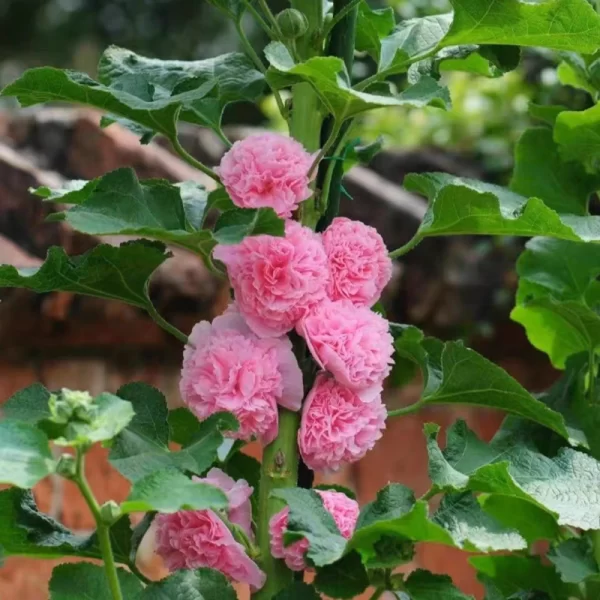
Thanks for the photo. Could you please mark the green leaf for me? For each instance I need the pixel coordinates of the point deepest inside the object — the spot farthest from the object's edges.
(372, 25)
(200, 89)
(25, 456)
(29, 405)
(115, 273)
(573, 71)
(487, 61)
(329, 78)
(472, 529)
(298, 591)
(577, 135)
(557, 296)
(86, 581)
(141, 448)
(466, 206)
(25, 531)
(183, 425)
(168, 491)
(73, 191)
(539, 171)
(513, 574)
(346, 578)
(564, 485)
(424, 585)
(119, 204)
(395, 514)
(234, 225)
(558, 24)
(201, 584)
(545, 113)
(309, 519)
(574, 560)
(453, 373)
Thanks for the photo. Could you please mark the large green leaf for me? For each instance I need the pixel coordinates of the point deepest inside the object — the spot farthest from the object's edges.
(201, 584)
(345, 578)
(25, 531)
(539, 171)
(454, 374)
(115, 273)
(557, 297)
(309, 519)
(168, 491)
(395, 514)
(558, 24)
(142, 448)
(424, 585)
(25, 456)
(574, 560)
(298, 591)
(472, 529)
(466, 206)
(328, 76)
(29, 405)
(565, 485)
(86, 581)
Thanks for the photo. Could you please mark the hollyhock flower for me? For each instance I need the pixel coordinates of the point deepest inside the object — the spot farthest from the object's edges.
(267, 170)
(276, 279)
(344, 511)
(226, 367)
(238, 497)
(351, 342)
(358, 262)
(337, 427)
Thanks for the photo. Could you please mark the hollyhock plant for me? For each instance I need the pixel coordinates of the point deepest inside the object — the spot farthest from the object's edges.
(337, 427)
(358, 262)
(351, 342)
(344, 511)
(226, 367)
(276, 280)
(267, 170)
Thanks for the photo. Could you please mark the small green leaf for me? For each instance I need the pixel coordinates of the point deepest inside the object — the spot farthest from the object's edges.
(424, 585)
(558, 24)
(487, 61)
(573, 71)
(577, 135)
(168, 491)
(74, 191)
(309, 519)
(86, 581)
(25, 456)
(346, 578)
(574, 560)
(29, 405)
(115, 273)
(557, 295)
(546, 113)
(373, 25)
(395, 514)
(298, 591)
(201, 584)
(453, 373)
(472, 529)
(466, 206)
(234, 225)
(329, 78)
(565, 187)
(183, 426)
(513, 574)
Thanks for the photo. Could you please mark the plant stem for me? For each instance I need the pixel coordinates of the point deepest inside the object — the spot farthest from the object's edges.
(188, 158)
(279, 470)
(592, 374)
(338, 16)
(159, 320)
(406, 248)
(377, 594)
(258, 17)
(270, 18)
(326, 147)
(407, 410)
(102, 530)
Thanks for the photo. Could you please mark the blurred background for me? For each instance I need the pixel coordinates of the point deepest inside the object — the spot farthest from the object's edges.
(455, 287)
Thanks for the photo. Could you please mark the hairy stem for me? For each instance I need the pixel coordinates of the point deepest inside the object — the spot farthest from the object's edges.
(188, 158)
(407, 410)
(279, 470)
(161, 322)
(102, 529)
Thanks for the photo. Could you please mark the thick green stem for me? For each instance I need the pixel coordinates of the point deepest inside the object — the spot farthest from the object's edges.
(279, 470)
(102, 529)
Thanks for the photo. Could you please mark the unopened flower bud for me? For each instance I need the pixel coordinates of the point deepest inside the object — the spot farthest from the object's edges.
(292, 23)
(66, 466)
(110, 511)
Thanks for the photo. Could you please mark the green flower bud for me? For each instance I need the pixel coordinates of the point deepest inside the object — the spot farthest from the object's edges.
(110, 512)
(292, 23)
(66, 466)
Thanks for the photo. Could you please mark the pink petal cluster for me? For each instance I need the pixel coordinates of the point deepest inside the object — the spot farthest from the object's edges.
(338, 427)
(358, 262)
(344, 511)
(190, 539)
(351, 342)
(276, 280)
(267, 170)
(226, 367)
